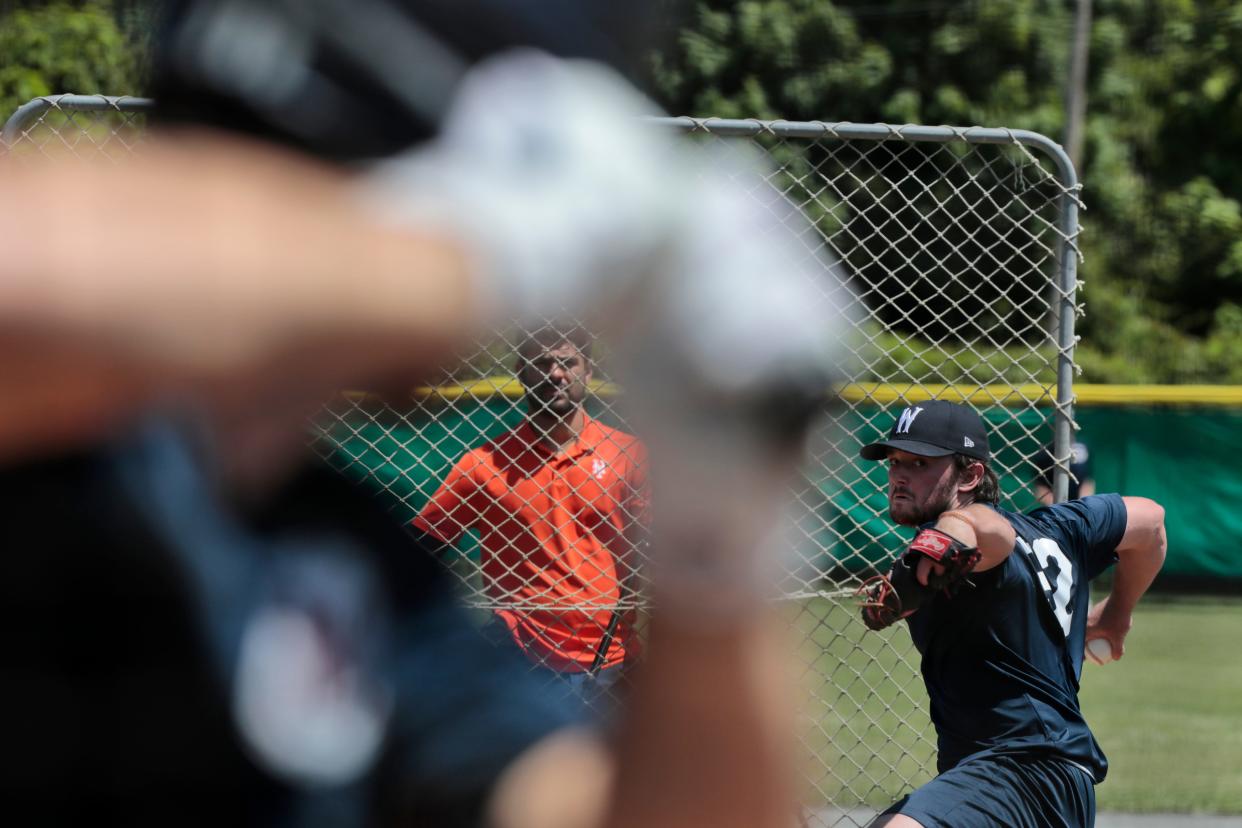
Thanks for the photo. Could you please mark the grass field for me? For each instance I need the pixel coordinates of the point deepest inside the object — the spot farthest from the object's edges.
(1168, 715)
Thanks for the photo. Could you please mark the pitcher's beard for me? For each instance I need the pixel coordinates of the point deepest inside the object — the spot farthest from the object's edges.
(910, 513)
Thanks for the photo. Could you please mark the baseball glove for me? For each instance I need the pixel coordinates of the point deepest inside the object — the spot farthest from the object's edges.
(889, 598)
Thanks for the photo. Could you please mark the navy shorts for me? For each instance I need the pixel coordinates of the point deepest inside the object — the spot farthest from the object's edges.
(1005, 791)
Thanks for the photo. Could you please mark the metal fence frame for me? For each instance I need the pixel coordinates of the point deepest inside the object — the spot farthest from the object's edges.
(34, 110)
(1064, 308)
(1068, 255)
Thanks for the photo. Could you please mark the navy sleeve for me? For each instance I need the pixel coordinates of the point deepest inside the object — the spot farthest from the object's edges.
(466, 710)
(462, 709)
(1092, 527)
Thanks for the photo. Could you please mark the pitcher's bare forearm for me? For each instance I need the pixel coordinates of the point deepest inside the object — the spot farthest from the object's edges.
(1139, 555)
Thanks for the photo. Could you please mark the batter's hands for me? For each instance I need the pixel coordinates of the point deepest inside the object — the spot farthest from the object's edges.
(571, 205)
(728, 318)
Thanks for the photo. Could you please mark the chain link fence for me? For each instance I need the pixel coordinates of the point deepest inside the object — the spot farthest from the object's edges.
(89, 125)
(961, 244)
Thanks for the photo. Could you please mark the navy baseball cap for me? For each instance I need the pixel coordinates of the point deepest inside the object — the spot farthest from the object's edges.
(934, 428)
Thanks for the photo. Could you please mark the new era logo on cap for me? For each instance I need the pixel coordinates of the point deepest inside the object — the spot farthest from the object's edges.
(934, 428)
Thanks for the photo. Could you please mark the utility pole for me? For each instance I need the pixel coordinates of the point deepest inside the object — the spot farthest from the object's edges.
(1061, 297)
(1076, 88)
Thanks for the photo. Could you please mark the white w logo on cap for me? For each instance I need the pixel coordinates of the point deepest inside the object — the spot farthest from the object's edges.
(907, 420)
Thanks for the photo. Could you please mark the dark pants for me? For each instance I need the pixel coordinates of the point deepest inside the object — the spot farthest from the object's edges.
(595, 690)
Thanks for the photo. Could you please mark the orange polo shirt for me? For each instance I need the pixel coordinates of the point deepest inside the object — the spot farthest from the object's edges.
(553, 535)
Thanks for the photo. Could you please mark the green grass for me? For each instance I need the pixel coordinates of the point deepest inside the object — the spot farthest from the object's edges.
(866, 728)
(1168, 715)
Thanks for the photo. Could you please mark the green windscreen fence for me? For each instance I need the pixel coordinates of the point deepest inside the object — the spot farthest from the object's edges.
(1187, 460)
(1183, 457)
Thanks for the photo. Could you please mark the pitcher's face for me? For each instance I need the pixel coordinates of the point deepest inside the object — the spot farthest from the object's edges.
(919, 488)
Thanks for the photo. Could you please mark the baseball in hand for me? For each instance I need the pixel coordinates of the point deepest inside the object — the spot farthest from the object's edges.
(1099, 650)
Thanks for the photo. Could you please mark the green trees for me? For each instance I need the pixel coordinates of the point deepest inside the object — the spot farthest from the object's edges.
(1162, 168)
(1162, 175)
(64, 47)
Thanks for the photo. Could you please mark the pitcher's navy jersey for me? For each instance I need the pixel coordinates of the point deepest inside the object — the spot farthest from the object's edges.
(1002, 660)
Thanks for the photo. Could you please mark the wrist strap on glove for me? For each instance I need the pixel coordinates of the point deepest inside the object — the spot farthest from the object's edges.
(889, 598)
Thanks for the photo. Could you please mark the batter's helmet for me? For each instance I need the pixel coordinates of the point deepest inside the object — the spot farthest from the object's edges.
(360, 79)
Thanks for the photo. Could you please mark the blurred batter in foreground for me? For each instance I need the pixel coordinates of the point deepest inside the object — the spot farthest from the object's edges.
(202, 628)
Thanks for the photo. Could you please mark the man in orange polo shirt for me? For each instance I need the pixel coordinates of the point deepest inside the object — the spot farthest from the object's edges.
(559, 503)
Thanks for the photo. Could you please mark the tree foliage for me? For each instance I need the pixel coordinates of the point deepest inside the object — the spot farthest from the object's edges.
(1162, 174)
(65, 47)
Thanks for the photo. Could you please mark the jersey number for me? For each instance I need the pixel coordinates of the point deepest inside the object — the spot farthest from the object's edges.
(1055, 575)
